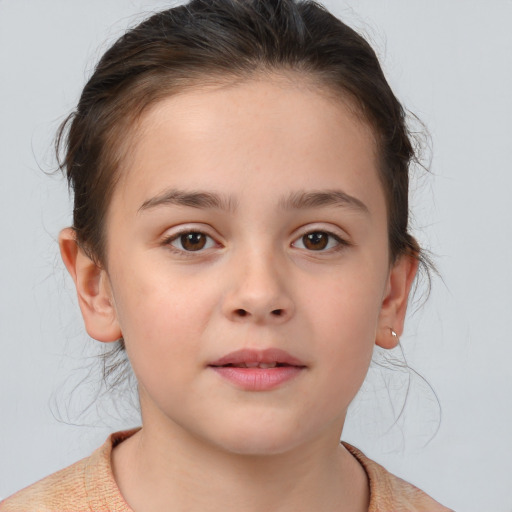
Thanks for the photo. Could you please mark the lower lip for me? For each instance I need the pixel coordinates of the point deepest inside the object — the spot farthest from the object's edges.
(258, 379)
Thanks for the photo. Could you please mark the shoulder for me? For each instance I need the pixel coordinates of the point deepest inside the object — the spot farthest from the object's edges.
(63, 488)
(389, 492)
(85, 485)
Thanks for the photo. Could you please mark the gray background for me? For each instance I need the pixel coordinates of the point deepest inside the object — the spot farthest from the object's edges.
(450, 62)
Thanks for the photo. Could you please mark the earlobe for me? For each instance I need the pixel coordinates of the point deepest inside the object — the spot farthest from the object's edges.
(93, 289)
(394, 304)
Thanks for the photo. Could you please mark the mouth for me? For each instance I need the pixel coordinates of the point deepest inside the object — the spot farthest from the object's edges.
(264, 359)
(253, 364)
(253, 370)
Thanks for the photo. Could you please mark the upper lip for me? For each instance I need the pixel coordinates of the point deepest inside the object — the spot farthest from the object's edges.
(268, 356)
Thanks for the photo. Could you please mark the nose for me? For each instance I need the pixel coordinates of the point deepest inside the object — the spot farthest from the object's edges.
(258, 291)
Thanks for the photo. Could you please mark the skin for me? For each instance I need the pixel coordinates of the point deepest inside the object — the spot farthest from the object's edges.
(206, 444)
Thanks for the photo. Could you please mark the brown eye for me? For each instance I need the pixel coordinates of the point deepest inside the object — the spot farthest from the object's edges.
(319, 241)
(192, 241)
(315, 241)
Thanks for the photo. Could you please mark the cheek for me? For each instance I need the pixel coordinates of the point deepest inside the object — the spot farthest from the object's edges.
(348, 302)
(161, 320)
(345, 318)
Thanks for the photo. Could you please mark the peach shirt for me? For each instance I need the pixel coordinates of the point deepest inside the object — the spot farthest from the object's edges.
(89, 485)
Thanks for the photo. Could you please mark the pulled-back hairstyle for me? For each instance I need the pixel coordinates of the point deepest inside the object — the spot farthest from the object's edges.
(209, 41)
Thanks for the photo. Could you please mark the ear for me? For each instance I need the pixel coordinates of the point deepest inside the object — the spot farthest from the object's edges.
(394, 303)
(93, 289)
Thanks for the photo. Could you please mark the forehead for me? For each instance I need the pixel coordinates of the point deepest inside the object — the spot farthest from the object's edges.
(275, 128)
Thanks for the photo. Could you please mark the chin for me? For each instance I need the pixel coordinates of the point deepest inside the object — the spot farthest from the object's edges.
(257, 439)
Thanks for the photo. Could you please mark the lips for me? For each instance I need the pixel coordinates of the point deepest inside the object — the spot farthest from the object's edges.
(247, 358)
(256, 365)
(254, 370)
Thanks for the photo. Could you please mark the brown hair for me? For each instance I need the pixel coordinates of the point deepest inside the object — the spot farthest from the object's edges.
(225, 40)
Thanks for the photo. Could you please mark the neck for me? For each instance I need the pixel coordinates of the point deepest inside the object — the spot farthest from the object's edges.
(162, 469)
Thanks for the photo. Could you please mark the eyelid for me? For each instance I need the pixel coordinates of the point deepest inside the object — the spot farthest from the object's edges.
(325, 227)
(183, 230)
(334, 232)
(341, 238)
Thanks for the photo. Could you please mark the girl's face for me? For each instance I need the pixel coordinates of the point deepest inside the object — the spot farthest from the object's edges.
(250, 216)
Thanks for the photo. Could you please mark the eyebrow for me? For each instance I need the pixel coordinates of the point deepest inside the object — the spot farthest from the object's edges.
(320, 198)
(192, 199)
(299, 200)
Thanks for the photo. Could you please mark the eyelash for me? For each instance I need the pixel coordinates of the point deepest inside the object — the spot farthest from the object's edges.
(340, 242)
(177, 236)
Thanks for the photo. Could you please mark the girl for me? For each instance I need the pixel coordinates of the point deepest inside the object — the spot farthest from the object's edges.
(240, 177)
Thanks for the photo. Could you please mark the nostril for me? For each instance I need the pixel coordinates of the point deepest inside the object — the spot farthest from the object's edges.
(277, 312)
(241, 312)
